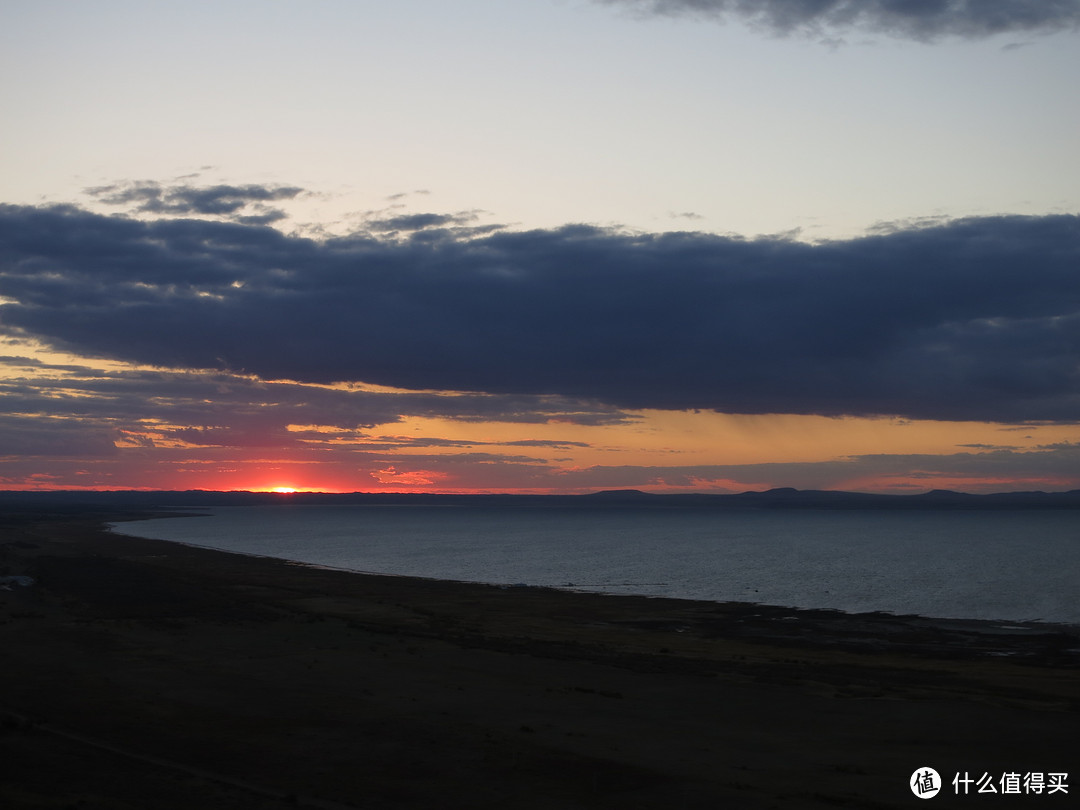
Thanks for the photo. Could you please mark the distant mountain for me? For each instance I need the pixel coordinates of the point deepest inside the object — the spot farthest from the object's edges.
(781, 498)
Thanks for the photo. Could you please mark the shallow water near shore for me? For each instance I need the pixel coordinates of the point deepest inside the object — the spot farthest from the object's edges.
(1014, 565)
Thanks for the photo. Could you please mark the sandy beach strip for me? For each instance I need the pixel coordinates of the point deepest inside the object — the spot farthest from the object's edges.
(145, 674)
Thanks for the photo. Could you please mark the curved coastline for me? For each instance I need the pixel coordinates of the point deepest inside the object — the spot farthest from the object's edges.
(902, 563)
(811, 626)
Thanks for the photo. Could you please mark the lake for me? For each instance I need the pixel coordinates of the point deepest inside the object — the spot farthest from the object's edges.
(1017, 565)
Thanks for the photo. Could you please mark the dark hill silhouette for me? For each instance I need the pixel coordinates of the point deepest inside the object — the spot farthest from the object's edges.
(780, 498)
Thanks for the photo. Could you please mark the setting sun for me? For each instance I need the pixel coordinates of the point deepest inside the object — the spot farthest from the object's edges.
(283, 490)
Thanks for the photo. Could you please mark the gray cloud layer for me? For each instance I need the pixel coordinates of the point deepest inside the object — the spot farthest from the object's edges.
(246, 204)
(916, 19)
(71, 410)
(969, 319)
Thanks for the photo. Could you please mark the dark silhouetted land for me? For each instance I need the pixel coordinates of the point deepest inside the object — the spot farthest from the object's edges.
(783, 498)
(142, 674)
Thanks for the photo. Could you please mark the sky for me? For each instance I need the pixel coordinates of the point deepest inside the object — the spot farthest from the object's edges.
(543, 246)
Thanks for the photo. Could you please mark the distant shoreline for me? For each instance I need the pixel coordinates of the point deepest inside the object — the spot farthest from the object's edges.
(783, 498)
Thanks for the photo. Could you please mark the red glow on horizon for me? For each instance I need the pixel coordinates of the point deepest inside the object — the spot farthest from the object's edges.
(290, 489)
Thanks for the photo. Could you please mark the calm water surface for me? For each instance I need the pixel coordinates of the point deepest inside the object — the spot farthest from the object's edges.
(1012, 565)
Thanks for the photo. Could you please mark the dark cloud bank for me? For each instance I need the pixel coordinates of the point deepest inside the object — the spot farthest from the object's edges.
(916, 19)
(967, 319)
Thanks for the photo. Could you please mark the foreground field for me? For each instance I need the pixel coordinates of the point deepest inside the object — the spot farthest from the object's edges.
(143, 674)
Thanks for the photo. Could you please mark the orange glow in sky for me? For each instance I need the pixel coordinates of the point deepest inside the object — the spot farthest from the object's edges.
(652, 450)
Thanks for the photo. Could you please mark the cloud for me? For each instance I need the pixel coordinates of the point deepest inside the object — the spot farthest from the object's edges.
(52, 409)
(64, 425)
(418, 222)
(968, 319)
(914, 19)
(245, 204)
(22, 436)
(1050, 468)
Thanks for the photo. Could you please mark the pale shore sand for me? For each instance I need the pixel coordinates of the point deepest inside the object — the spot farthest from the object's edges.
(142, 674)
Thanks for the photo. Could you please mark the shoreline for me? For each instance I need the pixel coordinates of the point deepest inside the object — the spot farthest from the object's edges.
(829, 627)
(1052, 616)
(336, 687)
(980, 626)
